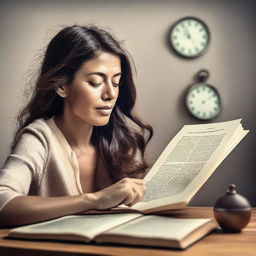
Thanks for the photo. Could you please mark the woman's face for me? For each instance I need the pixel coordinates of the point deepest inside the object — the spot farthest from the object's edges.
(93, 93)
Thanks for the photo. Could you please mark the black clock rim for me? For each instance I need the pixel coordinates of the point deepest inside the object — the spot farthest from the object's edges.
(194, 85)
(208, 42)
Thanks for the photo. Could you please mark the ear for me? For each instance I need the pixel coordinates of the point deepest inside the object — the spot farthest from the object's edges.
(61, 91)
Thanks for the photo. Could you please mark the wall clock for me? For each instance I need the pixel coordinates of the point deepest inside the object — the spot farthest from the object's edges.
(189, 37)
(203, 100)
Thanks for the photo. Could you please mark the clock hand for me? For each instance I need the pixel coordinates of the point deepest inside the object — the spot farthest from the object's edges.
(186, 32)
(189, 36)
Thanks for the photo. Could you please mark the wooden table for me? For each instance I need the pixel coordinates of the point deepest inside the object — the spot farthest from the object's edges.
(217, 243)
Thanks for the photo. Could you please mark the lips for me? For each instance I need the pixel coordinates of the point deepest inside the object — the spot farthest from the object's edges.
(105, 107)
(105, 110)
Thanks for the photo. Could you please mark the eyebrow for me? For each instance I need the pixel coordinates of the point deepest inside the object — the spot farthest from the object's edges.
(103, 75)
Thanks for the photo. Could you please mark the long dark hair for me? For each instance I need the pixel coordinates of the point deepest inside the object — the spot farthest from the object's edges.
(117, 142)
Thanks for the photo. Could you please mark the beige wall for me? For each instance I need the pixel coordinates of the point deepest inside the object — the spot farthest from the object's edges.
(162, 78)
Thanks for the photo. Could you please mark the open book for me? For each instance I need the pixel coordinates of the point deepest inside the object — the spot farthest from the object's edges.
(122, 228)
(185, 165)
(180, 171)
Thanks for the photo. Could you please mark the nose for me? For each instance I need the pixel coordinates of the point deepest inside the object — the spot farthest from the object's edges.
(110, 92)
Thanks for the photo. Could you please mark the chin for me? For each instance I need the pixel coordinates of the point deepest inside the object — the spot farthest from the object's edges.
(101, 122)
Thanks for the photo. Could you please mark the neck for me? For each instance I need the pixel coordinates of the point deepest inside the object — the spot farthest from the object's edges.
(76, 131)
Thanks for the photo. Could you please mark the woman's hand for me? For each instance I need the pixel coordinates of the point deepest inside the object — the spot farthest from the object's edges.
(24, 210)
(127, 191)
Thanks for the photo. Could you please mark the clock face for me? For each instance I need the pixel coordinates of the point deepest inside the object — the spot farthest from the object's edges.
(189, 37)
(203, 101)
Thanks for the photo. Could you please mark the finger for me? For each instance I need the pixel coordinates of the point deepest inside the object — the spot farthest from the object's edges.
(132, 190)
(130, 197)
(141, 189)
(137, 198)
(139, 192)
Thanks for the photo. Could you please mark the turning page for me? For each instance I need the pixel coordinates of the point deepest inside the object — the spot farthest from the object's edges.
(187, 162)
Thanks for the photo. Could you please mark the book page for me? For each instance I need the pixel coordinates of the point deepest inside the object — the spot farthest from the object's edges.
(159, 231)
(188, 161)
(185, 161)
(84, 225)
(160, 227)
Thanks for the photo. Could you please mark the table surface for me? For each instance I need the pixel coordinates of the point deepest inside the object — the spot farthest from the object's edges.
(217, 243)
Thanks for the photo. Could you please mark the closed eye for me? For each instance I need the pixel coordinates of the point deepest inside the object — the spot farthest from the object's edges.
(94, 84)
(116, 84)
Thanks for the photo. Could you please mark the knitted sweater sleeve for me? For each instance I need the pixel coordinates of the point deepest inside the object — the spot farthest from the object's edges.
(24, 166)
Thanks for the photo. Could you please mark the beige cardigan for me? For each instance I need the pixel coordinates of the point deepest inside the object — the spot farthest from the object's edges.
(42, 164)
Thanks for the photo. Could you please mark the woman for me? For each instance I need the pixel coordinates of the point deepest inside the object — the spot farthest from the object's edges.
(73, 150)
